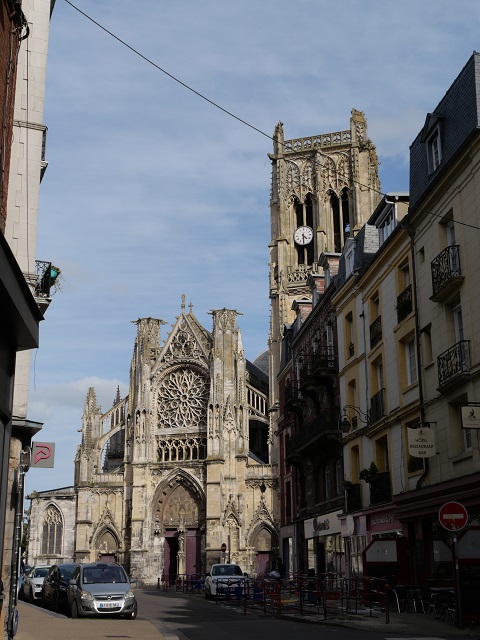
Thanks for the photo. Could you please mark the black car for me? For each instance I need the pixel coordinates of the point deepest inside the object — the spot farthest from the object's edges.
(54, 590)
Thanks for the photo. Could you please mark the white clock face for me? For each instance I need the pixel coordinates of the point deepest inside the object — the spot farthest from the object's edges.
(303, 235)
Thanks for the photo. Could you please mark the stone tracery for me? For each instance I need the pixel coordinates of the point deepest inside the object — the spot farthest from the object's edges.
(182, 399)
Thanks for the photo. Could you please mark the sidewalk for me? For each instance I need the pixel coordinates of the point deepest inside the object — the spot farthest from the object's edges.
(418, 624)
(35, 623)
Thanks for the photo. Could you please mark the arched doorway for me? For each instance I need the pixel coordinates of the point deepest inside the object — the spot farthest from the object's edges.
(181, 510)
(107, 547)
(265, 543)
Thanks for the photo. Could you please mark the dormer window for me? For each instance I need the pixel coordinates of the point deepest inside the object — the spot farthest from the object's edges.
(387, 226)
(349, 259)
(431, 136)
(434, 150)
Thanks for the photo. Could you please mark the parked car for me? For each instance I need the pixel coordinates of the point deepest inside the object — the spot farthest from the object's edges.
(55, 583)
(31, 589)
(221, 579)
(101, 589)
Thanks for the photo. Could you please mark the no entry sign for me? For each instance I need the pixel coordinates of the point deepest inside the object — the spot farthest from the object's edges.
(453, 516)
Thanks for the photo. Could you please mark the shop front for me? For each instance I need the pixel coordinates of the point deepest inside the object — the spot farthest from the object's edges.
(325, 548)
(429, 543)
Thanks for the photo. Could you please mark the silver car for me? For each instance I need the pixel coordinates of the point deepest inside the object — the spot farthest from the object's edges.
(33, 582)
(101, 589)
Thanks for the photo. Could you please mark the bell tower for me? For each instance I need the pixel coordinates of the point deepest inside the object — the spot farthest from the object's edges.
(324, 188)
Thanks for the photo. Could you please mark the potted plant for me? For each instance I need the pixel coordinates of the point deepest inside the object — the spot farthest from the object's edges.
(369, 474)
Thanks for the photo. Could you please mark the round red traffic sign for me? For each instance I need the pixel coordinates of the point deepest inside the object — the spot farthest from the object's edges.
(224, 547)
(453, 516)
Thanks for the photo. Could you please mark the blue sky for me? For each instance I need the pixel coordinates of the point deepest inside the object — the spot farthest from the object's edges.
(151, 192)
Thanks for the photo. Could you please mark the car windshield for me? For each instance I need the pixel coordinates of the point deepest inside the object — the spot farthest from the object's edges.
(39, 573)
(227, 570)
(99, 575)
(67, 572)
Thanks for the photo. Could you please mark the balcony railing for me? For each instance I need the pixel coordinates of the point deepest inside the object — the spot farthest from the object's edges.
(377, 406)
(380, 490)
(404, 303)
(375, 332)
(324, 359)
(326, 422)
(293, 393)
(446, 273)
(454, 364)
(353, 498)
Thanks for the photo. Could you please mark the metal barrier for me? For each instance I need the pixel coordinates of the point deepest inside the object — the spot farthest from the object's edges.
(328, 595)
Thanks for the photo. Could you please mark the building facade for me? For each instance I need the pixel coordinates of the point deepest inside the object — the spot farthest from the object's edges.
(445, 223)
(378, 377)
(179, 467)
(23, 49)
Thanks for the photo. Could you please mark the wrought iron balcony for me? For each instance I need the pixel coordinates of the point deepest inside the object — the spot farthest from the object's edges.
(375, 332)
(353, 498)
(324, 360)
(380, 490)
(377, 406)
(293, 395)
(446, 273)
(453, 365)
(326, 423)
(404, 303)
(291, 451)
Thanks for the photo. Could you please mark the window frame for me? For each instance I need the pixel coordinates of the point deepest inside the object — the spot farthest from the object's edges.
(434, 149)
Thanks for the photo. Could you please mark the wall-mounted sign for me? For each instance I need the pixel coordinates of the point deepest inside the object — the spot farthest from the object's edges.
(421, 442)
(471, 417)
(43, 455)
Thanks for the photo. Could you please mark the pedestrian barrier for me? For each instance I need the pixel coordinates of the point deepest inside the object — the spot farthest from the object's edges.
(326, 596)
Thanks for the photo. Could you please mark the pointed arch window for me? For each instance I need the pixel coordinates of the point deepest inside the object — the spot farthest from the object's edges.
(52, 532)
(340, 207)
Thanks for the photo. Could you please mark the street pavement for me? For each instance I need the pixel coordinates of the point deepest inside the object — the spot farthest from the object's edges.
(36, 623)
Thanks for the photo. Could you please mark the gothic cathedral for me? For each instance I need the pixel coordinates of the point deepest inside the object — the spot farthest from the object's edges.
(178, 475)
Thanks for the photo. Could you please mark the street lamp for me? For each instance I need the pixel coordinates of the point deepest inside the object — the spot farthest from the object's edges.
(363, 416)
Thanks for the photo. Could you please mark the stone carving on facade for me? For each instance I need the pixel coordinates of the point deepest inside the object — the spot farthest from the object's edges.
(181, 508)
(336, 174)
(182, 397)
(225, 319)
(262, 516)
(106, 522)
(360, 124)
(232, 510)
(229, 422)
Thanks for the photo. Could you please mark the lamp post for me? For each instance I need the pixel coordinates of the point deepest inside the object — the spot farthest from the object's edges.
(363, 416)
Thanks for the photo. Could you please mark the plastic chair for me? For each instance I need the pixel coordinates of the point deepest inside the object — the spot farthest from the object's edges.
(432, 604)
(414, 597)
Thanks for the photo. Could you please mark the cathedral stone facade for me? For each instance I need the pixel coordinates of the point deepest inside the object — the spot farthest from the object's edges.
(179, 474)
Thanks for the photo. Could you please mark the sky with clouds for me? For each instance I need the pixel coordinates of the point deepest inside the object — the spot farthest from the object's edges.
(152, 192)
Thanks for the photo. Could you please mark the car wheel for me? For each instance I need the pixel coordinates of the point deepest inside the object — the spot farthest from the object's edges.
(133, 615)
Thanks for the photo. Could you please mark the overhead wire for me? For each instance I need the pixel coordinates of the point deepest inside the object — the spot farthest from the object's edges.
(231, 114)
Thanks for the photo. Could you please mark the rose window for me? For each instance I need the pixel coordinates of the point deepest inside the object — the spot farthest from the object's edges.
(182, 400)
